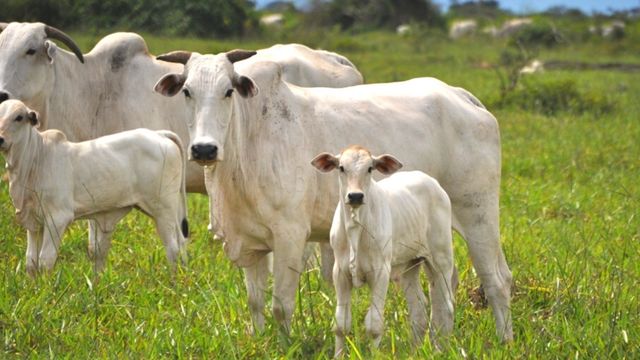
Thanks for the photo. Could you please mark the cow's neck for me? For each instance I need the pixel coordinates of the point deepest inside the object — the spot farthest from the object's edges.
(69, 97)
(23, 163)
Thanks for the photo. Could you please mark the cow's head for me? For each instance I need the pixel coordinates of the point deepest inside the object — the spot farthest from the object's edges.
(26, 58)
(355, 165)
(210, 84)
(16, 120)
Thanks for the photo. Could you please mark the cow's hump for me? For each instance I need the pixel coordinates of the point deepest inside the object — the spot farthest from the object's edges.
(117, 50)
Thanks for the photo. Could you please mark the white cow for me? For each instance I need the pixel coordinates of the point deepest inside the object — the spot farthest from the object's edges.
(391, 226)
(260, 131)
(462, 28)
(110, 89)
(53, 181)
(512, 26)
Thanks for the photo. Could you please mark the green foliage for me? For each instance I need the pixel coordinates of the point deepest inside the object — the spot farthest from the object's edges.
(374, 14)
(536, 35)
(551, 97)
(179, 17)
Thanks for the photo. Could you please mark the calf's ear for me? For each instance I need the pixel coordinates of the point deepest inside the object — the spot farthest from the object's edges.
(325, 162)
(386, 164)
(33, 117)
(245, 86)
(170, 84)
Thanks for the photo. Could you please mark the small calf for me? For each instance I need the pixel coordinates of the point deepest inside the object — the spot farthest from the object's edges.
(53, 181)
(388, 228)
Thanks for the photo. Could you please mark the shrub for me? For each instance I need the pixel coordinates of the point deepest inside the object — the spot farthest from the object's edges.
(550, 97)
(537, 35)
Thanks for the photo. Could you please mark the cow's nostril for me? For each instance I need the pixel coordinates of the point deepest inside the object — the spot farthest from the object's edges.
(204, 151)
(3, 96)
(355, 197)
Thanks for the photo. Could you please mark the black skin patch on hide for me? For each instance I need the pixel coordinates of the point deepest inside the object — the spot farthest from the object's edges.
(185, 228)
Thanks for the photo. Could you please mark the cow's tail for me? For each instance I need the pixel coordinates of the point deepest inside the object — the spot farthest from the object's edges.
(184, 223)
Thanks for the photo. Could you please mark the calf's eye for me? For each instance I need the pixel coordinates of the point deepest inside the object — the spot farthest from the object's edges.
(341, 168)
(228, 93)
(370, 169)
(31, 51)
(19, 118)
(186, 93)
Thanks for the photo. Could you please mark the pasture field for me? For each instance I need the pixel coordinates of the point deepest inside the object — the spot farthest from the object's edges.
(570, 225)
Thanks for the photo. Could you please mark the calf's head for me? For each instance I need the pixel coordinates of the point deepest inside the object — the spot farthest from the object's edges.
(355, 165)
(27, 55)
(15, 122)
(209, 83)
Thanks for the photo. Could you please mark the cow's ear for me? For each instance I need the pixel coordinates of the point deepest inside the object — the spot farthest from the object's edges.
(245, 86)
(170, 84)
(50, 49)
(33, 117)
(325, 162)
(386, 164)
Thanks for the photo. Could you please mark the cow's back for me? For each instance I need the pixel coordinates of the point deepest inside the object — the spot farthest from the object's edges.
(124, 169)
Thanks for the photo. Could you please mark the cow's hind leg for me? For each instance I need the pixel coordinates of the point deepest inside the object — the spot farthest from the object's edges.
(477, 221)
(416, 301)
(102, 227)
(255, 280)
(168, 230)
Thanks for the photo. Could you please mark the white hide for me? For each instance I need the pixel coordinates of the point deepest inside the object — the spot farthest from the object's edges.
(462, 28)
(403, 222)
(269, 199)
(53, 181)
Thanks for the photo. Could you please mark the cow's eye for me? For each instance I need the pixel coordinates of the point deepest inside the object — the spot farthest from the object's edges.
(19, 118)
(341, 168)
(186, 93)
(370, 169)
(31, 51)
(228, 93)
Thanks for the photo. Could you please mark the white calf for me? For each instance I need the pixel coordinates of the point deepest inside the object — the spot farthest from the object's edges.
(53, 181)
(385, 227)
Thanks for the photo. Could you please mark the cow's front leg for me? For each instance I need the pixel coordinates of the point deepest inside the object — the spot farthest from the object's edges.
(54, 227)
(343, 284)
(34, 241)
(287, 268)
(255, 279)
(378, 280)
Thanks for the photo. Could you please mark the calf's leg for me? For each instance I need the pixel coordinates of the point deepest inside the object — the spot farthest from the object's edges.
(416, 302)
(103, 226)
(34, 241)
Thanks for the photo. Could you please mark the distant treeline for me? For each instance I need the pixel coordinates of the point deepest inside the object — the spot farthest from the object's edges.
(209, 18)
(170, 17)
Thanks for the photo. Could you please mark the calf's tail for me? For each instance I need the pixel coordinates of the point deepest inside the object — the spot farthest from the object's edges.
(184, 224)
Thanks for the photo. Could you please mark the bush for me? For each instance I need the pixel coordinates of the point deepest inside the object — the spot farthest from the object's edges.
(537, 35)
(374, 14)
(550, 97)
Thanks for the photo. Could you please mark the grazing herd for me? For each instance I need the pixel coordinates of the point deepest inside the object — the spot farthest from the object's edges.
(250, 122)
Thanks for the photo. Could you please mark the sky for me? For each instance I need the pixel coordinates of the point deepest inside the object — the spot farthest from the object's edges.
(520, 6)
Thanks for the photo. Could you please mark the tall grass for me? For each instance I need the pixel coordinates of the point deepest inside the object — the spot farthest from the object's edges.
(570, 231)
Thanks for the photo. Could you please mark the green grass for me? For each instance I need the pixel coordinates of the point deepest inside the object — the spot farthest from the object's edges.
(570, 231)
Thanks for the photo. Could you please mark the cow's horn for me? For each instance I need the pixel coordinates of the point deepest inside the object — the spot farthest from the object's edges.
(238, 55)
(54, 33)
(179, 56)
(3, 25)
